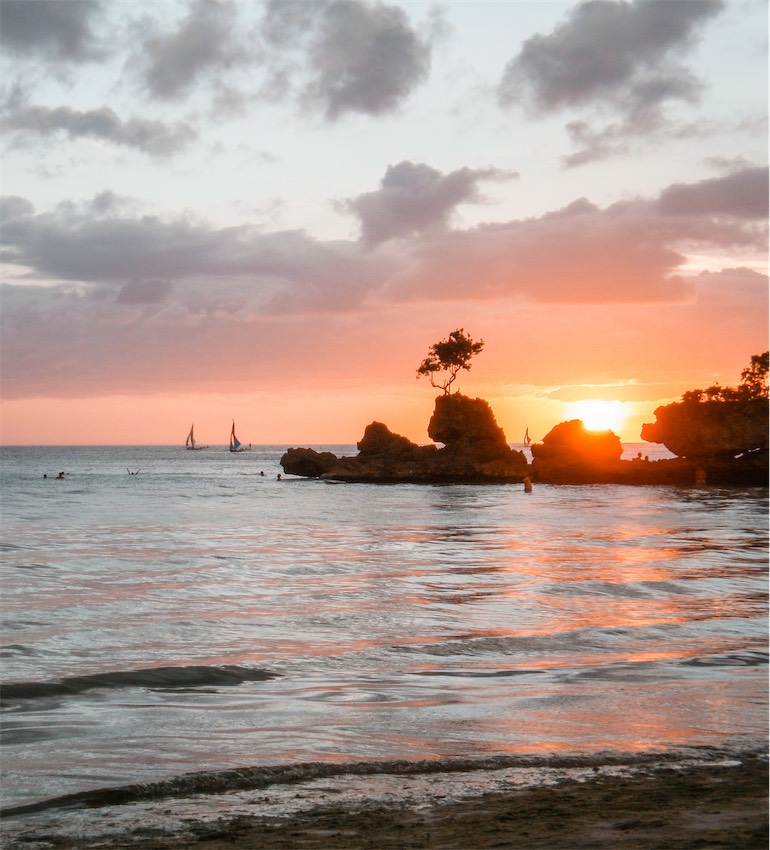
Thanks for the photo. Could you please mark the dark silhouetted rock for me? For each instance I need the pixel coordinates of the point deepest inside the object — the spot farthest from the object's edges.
(307, 462)
(570, 453)
(726, 441)
(475, 450)
(572, 441)
(379, 440)
(710, 429)
(467, 427)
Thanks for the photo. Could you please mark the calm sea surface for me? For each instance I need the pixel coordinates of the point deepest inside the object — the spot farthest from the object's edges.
(201, 616)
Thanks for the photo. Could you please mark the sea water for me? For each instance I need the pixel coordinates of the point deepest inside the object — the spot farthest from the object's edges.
(201, 614)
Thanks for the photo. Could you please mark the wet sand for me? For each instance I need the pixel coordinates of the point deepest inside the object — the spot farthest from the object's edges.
(699, 807)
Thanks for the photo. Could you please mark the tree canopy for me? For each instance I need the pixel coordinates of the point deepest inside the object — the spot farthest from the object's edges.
(753, 384)
(449, 356)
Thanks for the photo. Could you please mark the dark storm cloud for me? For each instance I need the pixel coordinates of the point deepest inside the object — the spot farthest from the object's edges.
(205, 42)
(59, 29)
(606, 50)
(153, 137)
(743, 194)
(415, 197)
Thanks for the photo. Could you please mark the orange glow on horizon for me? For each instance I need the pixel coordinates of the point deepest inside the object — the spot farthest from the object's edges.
(316, 417)
(598, 415)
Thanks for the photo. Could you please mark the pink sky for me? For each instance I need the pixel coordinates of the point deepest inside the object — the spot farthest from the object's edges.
(251, 223)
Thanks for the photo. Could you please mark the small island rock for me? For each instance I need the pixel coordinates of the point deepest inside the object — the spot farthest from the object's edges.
(571, 453)
(726, 441)
(474, 451)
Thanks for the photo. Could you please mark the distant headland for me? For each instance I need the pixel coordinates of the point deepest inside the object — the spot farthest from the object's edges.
(719, 436)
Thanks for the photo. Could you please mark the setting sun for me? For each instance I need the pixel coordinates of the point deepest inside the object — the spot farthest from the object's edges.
(598, 415)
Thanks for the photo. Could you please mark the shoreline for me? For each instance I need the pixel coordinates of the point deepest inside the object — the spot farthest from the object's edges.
(718, 801)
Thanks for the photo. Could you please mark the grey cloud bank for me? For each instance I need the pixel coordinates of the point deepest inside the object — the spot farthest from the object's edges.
(60, 30)
(214, 142)
(629, 251)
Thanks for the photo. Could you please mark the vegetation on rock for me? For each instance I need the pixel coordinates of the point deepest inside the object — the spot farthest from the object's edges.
(718, 423)
(719, 434)
(474, 450)
(450, 355)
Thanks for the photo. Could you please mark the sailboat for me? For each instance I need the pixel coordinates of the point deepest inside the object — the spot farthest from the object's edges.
(527, 438)
(235, 443)
(190, 441)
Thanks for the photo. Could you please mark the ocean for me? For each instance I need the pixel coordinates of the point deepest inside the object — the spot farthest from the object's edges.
(203, 615)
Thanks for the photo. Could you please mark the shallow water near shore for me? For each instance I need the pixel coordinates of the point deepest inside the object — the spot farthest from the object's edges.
(199, 616)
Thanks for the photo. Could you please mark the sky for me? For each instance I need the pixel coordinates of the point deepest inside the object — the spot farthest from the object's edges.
(267, 212)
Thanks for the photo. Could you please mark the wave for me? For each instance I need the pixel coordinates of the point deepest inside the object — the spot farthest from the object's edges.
(155, 678)
(240, 779)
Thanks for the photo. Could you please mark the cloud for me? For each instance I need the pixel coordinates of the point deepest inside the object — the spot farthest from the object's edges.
(578, 255)
(630, 251)
(58, 30)
(234, 269)
(343, 56)
(415, 197)
(204, 43)
(608, 50)
(627, 135)
(144, 292)
(617, 56)
(13, 207)
(136, 298)
(364, 58)
(742, 194)
(152, 137)
(336, 56)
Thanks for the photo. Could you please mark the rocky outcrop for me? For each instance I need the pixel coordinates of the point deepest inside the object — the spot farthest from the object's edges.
(710, 429)
(571, 454)
(715, 446)
(726, 441)
(308, 462)
(474, 450)
(467, 427)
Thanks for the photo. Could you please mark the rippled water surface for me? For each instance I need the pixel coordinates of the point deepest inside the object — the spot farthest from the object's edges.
(202, 616)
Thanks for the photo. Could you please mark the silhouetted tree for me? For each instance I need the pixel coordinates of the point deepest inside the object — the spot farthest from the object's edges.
(753, 384)
(754, 377)
(723, 429)
(450, 355)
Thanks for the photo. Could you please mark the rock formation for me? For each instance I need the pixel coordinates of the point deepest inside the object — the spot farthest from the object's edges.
(710, 429)
(726, 440)
(716, 444)
(467, 426)
(474, 450)
(571, 454)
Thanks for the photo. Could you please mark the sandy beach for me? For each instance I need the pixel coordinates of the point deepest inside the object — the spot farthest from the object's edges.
(698, 806)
